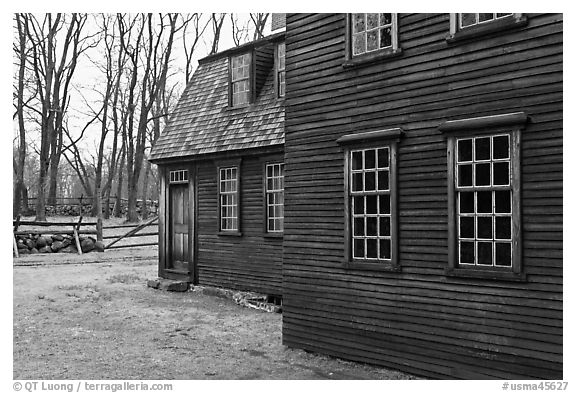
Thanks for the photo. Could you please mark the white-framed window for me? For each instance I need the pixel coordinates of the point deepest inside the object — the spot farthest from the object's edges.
(179, 176)
(468, 20)
(281, 69)
(373, 32)
(275, 198)
(240, 79)
(484, 200)
(228, 198)
(370, 204)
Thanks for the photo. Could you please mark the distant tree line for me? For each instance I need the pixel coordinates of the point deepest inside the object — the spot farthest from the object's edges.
(123, 111)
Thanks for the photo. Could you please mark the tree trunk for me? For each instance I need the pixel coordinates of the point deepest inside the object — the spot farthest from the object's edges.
(145, 191)
(118, 205)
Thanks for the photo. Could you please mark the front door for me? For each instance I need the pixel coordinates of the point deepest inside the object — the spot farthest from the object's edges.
(179, 252)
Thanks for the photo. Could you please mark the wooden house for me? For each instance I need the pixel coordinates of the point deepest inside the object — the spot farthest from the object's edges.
(423, 192)
(221, 165)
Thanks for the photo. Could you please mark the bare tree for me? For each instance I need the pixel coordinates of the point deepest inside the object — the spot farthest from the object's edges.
(259, 21)
(191, 40)
(217, 22)
(239, 31)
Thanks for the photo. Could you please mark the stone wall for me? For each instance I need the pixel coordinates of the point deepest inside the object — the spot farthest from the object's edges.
(35, 244)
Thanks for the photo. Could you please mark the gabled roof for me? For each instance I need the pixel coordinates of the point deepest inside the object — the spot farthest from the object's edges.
(203, 123)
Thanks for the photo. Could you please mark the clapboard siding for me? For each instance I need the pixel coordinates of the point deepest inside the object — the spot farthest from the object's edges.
(248, 262)
(420, 320)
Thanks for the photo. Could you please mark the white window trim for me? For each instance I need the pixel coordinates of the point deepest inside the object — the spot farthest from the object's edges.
(275, 191)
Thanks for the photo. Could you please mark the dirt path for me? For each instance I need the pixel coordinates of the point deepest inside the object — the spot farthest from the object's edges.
(83, 320)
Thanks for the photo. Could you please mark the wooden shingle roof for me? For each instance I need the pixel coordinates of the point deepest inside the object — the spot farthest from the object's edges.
(203, 122)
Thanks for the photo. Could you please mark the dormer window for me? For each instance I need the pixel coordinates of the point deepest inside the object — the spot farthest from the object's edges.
(240, 67)
(280, 69)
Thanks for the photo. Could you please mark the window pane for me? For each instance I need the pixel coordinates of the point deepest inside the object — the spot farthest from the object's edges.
(370, 181)
(371, 21)
(484, 253)
(357, 182)
(466, 202)
(370, 159)
(359, 248)
(385, 249)
(383, 158)
(372, 248)
(503, 254)
(485, 17)
(385, 19)
(501, 147)
(372, 226)
(465, 175)
(385, 37)
(482, 174)
(371, 204)
(484, 227)
(502, 201)
(464, 150)
(359, 23)
(356, 160)
(467, 227)
(359, 205)
(503, 15)
(482, 147)
(383, 180)
(384, 226)
(468, 19)
(372, 40)
(359, 226)
(501, 173)
(484, 202)
(384, 202)
(467, 252)
(503, 228)
(359, 43)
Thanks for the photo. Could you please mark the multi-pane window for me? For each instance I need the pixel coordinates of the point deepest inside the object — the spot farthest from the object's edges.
(281, 69)
(373, 32)
(468, 20)
(275, 197)
(240, 79)
(371, 204)
(484, 201)
(179, 176)
(228, 191)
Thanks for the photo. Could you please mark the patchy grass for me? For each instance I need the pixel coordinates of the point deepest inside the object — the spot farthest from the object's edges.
(83, 320)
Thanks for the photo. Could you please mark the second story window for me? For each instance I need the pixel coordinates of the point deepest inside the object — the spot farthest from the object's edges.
(467, 20)
(281, 69)
(373, 32)
(240, 79)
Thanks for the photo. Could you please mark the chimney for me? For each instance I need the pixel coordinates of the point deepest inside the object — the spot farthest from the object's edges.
(278, 22)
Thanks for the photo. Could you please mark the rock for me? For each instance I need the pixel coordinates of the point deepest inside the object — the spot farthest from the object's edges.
(87, 245)
(99, 246)
(154, 283)
(23, 251)
(66, 242)
(45, 250)
(21, 245)
(42, 242)
(177, 286)
(69, 250)
(30, 243)
(57, 238)
(34, 251)
(57, 245)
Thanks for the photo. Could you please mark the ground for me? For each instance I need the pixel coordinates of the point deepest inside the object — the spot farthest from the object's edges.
(92, 316)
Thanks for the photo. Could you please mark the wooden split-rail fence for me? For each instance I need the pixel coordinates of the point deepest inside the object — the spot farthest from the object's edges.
(75, 229)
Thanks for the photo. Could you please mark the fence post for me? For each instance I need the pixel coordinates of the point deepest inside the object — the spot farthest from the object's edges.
(99, 215)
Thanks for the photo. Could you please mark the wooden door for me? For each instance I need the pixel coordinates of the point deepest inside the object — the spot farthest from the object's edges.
(179, 252)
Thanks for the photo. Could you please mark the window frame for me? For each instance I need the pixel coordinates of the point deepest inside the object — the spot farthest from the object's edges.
(376, 55)
(511, 124)
(479, 30)
(390, 139)
(250, 78)
(267, 231)
(231, 164)
(278, 70)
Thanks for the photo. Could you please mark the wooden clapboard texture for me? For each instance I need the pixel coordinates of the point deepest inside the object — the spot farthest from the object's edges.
(251, 261)
(419, 320)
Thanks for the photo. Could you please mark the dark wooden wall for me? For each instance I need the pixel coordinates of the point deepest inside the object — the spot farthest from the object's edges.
(248, 262)
(420, 320)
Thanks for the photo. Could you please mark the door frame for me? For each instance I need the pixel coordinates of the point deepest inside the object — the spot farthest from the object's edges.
(164, 242)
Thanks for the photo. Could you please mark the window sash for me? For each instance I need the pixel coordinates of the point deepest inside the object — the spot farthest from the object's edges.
(179, 176)
(476, 19)
(365, 39)
(275, 198)
(240, 79)
(228, 198)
